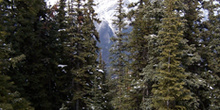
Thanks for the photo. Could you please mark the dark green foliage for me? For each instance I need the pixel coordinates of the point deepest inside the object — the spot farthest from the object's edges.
(192, 52)
(9, 98)
(121, 81)
(49, 56)
(147, 22)
(143, 49)
(81, 54)
(118, 51)
(32, 35)
(210, 59)
(169, 92)
(148, 78)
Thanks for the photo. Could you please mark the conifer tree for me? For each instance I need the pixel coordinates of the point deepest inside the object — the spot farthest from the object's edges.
(209, 42)
(82, 53)
(170, 92)
(118, 50)
(145, 24)
(29, 32)
(214, 61)
(119, 62)
(193, 52)
(63, 77)
(143, 49)
(70, 55)
(9, 98)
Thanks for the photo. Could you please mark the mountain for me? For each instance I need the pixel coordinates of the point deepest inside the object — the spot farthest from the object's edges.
(105, 33)
(106, 10)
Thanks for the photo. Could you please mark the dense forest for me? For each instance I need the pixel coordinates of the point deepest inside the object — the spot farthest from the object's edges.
(165, 56)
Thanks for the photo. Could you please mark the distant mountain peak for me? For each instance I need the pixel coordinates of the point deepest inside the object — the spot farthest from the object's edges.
(106, 10)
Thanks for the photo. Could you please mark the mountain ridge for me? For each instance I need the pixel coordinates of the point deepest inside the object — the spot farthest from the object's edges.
(106, 9)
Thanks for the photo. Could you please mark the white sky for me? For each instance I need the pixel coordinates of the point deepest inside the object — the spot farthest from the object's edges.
(51, 2)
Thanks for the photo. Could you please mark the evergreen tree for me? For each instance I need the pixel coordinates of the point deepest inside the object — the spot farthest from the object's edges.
(146, 23)
(118, 50)
(31, 33)
(214, 61)
(100, 88)
(119, 61)
(9, 98)
(147, 79)
(81, 53)
(209, 52)
(143, 46)
(192, 55)
(69, 52)
(170, 92)
(63, 76)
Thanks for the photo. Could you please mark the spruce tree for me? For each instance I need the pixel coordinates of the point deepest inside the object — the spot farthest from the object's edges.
(143, 49)
(9, 98)
(118, 50)
(119, 61)
(69, 52)
(63, 76)
(81, 54)
(4, 84)
(214, 61)
(170, 92)
(146, 23)
(209, 42)
(31, 33)
(193, 52)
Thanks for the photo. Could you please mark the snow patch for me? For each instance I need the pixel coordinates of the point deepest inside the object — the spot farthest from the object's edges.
(101, 71)
(106, 10)
(61, 66)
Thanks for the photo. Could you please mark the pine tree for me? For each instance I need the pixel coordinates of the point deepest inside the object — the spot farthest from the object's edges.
(143, 49)
(170, 92)
(69, 52)
(147, 79)
(119, 61)
(31, 33)
(214, 61)
(4, 84)
(81, 53)
(63, 76)
(192, 55)
(209, 42)
(146, 23)
(118, 50)
(9, 98)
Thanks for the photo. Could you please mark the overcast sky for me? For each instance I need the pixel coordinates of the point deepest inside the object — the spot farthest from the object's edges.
(51, 1)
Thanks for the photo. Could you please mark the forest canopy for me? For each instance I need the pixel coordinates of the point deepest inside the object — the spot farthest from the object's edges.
(165, 56)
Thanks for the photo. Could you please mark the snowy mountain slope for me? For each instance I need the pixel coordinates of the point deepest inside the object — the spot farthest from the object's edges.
(106, 9)
(51, 2)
